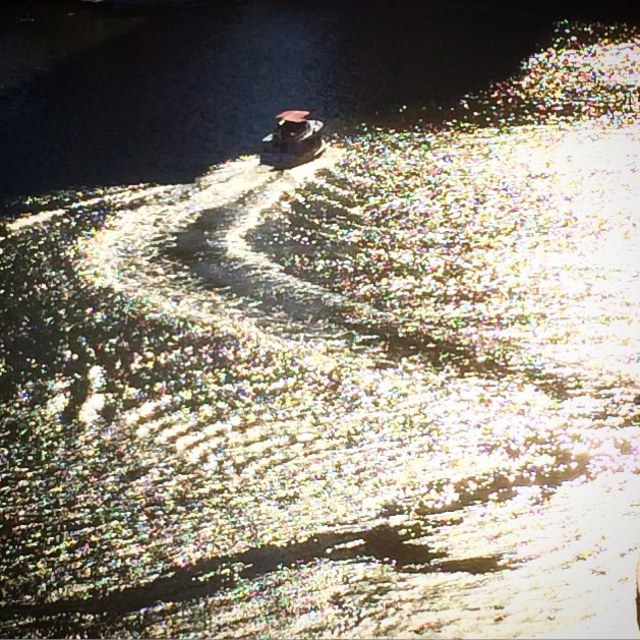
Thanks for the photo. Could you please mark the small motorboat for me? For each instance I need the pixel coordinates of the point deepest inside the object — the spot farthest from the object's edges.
(294, 140)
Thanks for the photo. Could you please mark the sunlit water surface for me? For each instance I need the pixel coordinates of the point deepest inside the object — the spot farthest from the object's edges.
(394, 392)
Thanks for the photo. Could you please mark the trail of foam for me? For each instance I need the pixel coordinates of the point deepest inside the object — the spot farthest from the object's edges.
(128, 256)
(260, 274)
(128, 253)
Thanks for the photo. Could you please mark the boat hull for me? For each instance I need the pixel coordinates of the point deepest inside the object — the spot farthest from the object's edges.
(288, 160)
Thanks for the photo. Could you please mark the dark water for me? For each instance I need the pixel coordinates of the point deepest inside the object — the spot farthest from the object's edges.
(95, 96)
(399, 400)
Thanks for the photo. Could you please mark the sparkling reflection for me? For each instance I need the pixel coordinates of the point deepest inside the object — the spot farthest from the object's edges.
(393, 393)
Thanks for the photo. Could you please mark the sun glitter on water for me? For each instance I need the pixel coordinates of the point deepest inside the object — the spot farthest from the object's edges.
(399, 399)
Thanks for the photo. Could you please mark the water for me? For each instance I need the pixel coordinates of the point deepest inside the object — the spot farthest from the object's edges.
(393, 392)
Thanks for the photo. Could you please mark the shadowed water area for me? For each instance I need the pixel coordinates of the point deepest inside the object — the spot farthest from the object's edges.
(394, 392)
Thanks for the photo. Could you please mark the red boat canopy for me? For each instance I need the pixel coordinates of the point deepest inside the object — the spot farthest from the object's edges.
(292, 116)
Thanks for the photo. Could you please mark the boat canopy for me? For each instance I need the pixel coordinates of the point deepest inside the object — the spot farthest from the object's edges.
(292, 116)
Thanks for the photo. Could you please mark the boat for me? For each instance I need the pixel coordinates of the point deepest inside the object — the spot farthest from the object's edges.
(293, 140)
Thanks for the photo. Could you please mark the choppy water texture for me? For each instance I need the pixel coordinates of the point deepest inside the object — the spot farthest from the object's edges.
(394, 392)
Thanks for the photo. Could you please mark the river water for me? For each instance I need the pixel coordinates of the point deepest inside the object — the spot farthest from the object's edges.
(394, 392)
